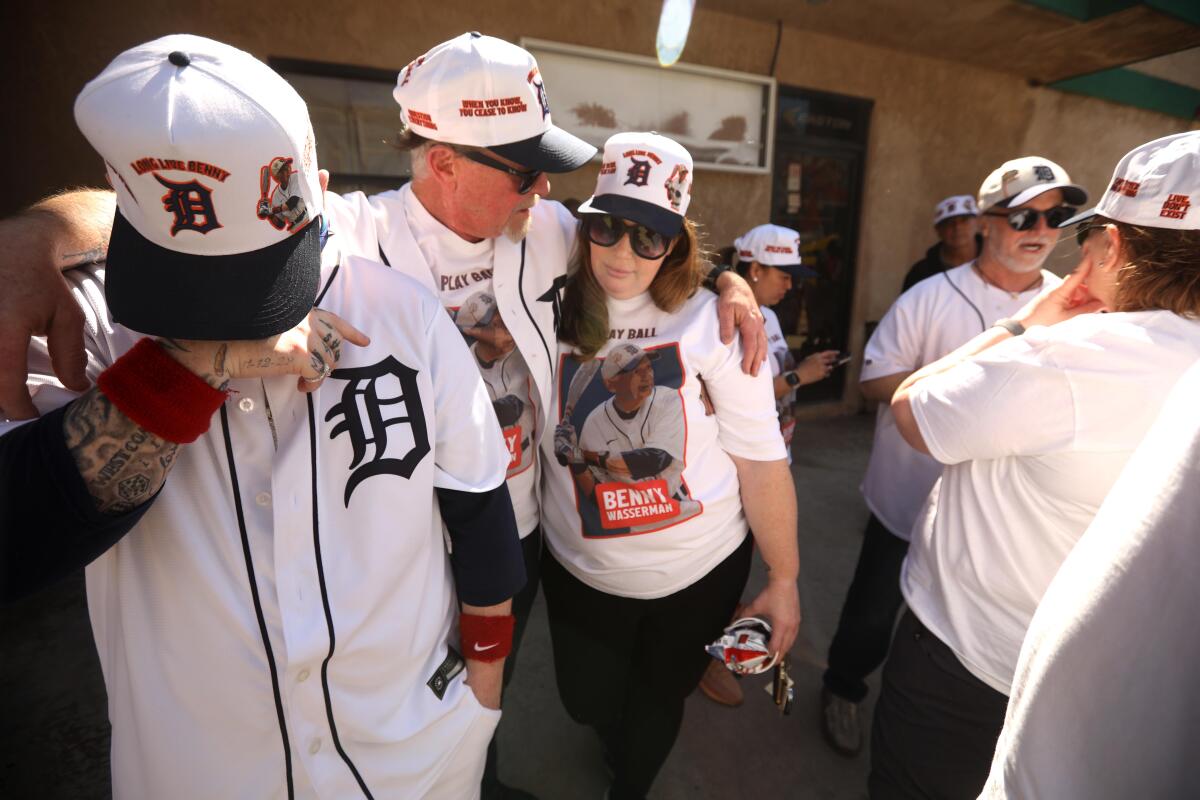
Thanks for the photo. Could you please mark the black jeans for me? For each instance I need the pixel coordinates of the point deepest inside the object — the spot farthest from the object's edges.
(625, 666)
(864, 629)
(935, 725)
(531, 548)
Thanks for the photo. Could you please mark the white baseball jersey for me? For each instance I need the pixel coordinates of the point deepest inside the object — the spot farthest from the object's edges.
(658, 424)
(591, 536)
(521, 276)
(277, 624)
(930, 320)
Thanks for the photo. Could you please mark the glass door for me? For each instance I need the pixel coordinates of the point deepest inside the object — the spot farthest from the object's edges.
(820, 150)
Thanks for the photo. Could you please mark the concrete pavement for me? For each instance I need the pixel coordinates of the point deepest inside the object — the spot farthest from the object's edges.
(54, 734)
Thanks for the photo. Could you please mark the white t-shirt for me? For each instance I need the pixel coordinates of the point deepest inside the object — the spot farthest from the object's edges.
(1033, 433)
(781, 360)
(669, 509)
(1105, 702)
(461, 270)
(930, 320)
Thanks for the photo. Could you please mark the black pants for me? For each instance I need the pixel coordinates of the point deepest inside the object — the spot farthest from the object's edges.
(864, 629)
(935, 725)
(531, 548)
(625, 666)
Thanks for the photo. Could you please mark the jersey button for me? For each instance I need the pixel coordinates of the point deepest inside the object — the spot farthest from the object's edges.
(302, 676)
(246, 404)
(315, 746)
(263, 498)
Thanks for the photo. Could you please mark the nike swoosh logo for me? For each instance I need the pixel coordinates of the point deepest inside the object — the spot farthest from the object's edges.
(479, 649)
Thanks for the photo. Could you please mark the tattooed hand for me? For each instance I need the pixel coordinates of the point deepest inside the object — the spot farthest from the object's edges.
(310, 350)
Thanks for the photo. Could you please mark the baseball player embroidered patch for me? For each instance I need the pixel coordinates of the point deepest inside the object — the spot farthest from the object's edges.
(622, 433)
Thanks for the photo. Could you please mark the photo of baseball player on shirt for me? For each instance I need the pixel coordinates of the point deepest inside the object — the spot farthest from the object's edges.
(282, 206)
(627, 455)
(504, 373)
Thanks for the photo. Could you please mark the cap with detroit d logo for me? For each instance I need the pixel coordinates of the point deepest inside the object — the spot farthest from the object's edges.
(477, 311)
(485, 92)
(773, 246)
(645, 178)
(1156, 185)
(959, 205)
(625, 358)
(1016, 182)
(213, 161)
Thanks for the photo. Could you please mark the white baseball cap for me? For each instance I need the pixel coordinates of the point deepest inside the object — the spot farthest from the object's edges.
(645, 178)
(773, 246)
(477, 311)
(485, 92)
(959, 205)
(213, 160)
(625, 358)
(1017, 182)
(1156, 185)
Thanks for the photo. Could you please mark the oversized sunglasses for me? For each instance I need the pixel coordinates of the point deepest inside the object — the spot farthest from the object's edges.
(1024, 219)
(606, 230)
(526, 178)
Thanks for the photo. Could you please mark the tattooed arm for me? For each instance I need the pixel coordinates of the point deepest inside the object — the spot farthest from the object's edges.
(61, 232)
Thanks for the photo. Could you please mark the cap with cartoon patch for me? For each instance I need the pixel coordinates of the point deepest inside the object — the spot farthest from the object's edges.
(213, 161)
(625, 358)
(773, 246)
(485, 92)
(477, 311)
(1020, 180)
(645, 178)
(959, 205)
(1156, 185)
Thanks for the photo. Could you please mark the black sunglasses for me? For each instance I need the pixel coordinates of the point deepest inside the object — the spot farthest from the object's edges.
(1024, 219)
(1084, 231)
(606, 230)
(527, 178)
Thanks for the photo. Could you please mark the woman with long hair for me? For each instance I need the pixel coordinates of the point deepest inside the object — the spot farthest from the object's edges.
(665, 456)
(1033, 420)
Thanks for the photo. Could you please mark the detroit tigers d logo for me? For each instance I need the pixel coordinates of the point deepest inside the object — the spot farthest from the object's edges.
(362, 412)
(191, 204)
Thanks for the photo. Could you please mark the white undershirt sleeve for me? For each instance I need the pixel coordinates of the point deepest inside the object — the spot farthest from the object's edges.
(1012, 399)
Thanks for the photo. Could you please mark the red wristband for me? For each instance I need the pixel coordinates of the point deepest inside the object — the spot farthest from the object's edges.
(160, 394)
(486, 638)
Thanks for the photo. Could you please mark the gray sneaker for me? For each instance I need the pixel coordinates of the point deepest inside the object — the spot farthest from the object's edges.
(839, 723)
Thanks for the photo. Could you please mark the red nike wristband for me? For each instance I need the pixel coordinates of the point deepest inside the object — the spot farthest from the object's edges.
(486, 638)
(160, 394)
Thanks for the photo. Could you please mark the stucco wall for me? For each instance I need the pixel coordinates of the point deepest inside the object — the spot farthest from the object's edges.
(937, 128)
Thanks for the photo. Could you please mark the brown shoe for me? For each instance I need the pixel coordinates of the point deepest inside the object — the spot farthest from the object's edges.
(719, 685)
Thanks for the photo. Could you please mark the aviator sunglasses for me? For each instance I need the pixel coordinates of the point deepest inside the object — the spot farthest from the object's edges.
(1024, 219)
(606, 230)
(526, 178)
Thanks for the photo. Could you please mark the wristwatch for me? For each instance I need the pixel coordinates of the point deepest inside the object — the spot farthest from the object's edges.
(792, 379)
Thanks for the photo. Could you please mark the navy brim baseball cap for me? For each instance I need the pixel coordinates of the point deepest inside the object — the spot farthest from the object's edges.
(249, 296)
(656, 218)
(797, 270)
(553, 151)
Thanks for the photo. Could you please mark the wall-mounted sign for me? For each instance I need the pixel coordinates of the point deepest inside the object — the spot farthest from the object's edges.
(724, 119)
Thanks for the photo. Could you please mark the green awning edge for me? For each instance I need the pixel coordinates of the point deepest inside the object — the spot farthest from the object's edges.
(1085, 10)
(1132, 88)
